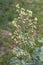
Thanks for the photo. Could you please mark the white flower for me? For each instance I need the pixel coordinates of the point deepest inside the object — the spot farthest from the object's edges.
(23, 21)
(35, 19)
(23, 13)
(14, 23)
(17, 6)
(29, 11)
(22, 9)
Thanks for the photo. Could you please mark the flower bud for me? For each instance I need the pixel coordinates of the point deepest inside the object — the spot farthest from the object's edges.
(23, 21)
(19, 18)
(35, 19)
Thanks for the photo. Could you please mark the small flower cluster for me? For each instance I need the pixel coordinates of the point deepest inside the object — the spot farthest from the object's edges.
(25, 26)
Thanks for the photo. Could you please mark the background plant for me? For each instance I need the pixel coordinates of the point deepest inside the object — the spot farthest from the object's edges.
(27, 50)
(23, 33)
